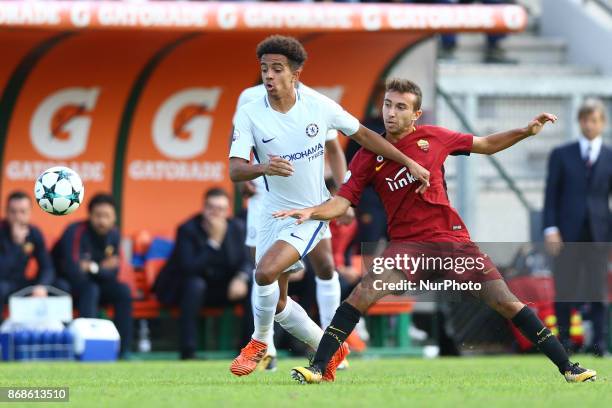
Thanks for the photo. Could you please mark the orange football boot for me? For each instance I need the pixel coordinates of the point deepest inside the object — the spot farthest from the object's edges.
(337, 358)
(249, 357)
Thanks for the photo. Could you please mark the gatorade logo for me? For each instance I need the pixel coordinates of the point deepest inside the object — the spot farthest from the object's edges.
(181, 126)
(371, 18)
(227, 18)
(60, 125)
(514, 17)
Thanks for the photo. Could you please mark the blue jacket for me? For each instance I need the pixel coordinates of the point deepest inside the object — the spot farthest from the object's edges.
(193, 256)
(80, 242)
(572, 196)
(14, 258)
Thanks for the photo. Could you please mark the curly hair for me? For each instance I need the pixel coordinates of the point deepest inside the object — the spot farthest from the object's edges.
(100, 199)
(283, 45)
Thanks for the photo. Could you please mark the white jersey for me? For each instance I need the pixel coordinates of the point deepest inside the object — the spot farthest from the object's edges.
(257, 92)
(298, 136)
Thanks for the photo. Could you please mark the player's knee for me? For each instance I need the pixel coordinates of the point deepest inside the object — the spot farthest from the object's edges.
(264, 276)
(325, 270)
(194, 286)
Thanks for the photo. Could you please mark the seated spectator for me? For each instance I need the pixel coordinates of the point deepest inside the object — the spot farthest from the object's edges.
(87, 261)
(209, 266)
(494, 53)
(19, 243)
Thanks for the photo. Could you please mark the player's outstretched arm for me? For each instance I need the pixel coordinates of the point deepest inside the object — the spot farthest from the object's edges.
(242, 170)
(328, 210)
(499, 141)
(375, 143)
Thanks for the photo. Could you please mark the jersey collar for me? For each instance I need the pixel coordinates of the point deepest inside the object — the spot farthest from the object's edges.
(297, 98)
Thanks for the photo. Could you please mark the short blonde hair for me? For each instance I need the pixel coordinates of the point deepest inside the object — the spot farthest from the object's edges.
(590, 106)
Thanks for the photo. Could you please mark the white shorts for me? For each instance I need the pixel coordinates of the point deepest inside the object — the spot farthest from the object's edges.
(254, 217)
(303, 237)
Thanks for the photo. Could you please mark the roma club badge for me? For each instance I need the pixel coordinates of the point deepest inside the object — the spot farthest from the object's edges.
(423, 145)
(28, 248)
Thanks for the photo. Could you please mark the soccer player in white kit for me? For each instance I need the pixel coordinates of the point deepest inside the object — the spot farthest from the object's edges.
(321, 258)
(286, 131)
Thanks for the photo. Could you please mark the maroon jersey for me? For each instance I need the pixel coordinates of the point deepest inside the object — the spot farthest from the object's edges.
(411, 216)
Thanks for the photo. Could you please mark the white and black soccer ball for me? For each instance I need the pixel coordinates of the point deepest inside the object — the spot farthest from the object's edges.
(59, 190)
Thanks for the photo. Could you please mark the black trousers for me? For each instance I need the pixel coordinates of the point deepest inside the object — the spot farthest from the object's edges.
(580, 273)
(196, 292)
(90, 294)
(7, 287)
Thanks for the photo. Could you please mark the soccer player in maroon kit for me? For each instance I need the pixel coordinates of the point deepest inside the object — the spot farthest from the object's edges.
(417, 218)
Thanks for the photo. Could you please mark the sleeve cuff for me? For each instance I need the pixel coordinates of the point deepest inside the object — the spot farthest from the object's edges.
(356, 125)
(241, 155)
(551, 230)
(332, 134)
(349, 196)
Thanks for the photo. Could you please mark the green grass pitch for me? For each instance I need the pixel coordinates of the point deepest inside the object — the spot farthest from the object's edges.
(513, 381)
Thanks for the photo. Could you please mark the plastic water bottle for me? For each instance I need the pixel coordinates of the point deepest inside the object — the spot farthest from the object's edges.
(144, 342)
(27, 345)
(47, 345)
(36, 345)
(67, 340)
(6, 343)
(20, 342)
(56, 345)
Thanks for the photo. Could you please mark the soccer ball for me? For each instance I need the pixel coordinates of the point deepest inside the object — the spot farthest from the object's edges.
(59, 190)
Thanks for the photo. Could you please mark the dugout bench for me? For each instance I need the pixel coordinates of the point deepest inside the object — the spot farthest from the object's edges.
(388, 321)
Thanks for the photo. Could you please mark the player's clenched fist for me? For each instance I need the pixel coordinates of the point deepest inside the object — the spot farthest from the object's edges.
(277, 166)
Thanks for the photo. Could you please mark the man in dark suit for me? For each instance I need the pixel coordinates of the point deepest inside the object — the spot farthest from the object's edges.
(577, 213)
(209, 265)
(19, 243)
(87, 261)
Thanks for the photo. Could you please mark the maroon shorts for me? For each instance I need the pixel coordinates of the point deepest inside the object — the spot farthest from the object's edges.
(459, 261)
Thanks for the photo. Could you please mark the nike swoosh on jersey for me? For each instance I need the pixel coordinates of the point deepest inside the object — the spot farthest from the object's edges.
(267, 140)
(379, 167)
(295, 236)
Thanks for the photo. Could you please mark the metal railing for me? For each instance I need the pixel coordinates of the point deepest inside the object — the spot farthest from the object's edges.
(470, 128)
(604, 4)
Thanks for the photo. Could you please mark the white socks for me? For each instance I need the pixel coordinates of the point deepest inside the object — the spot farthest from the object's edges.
(294, 319)
(270, 342)
(328, 298)
(264, 300)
